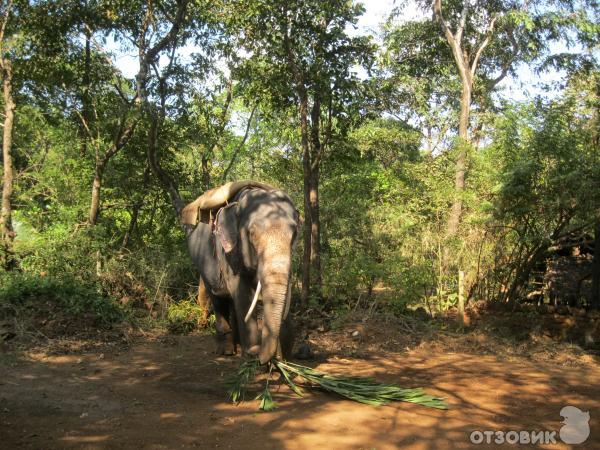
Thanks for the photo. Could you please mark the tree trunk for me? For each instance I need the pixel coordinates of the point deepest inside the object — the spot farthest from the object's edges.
(315, 238)
(465, 108)
(205, 173)
(461, 161)
(596, 267)
(135, 212)
(8, 234)
(315, 248)
(96, 187)
(168, 183)
(86, 99)
(132, 224)
(121, 140)
(306, 260)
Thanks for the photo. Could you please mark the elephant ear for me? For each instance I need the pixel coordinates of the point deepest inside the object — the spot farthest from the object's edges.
(226, 227)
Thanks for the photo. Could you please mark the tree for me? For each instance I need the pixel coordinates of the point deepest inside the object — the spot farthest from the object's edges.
(302, 54)
(487, 39)
(6, 72)
(548, 191)
(27, 39)
(151, 30)
(468, 39)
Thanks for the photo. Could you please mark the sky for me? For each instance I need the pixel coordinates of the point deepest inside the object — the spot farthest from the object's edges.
(376, 13)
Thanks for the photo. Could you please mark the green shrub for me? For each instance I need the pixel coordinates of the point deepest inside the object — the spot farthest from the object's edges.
(186, 316)
(66, 294)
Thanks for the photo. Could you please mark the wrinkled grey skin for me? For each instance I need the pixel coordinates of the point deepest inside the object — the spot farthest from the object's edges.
(253, 240)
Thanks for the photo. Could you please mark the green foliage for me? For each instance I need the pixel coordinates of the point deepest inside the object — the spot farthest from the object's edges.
(239, 381)
(266, 400)
(67, 294)
(186, 316)
(384, 211)
(386, 177)
(545, 185)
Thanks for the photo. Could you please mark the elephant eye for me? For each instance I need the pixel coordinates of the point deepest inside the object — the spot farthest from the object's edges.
(252, 232)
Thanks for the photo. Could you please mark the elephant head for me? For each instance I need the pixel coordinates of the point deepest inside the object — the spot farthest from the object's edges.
(258, 232)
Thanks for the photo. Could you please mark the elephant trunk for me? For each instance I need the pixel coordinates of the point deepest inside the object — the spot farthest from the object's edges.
(275, 280)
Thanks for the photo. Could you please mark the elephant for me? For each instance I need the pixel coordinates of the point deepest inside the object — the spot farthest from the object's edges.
(245, 249)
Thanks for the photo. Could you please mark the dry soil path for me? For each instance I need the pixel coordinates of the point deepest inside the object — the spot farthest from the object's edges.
(163, 395)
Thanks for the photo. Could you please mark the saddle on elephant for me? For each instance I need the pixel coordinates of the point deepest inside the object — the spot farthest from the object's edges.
(203, 209)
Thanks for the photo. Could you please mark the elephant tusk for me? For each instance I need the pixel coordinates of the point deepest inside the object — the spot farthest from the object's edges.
(254, 302)
(288, 301)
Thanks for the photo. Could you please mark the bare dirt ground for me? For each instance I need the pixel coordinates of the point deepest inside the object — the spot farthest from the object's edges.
(168, 392)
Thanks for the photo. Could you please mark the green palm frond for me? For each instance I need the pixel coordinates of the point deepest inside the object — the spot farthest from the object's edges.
(360, 389)
(244, 375)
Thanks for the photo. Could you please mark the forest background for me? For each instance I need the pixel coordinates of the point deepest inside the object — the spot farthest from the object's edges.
(413, 150)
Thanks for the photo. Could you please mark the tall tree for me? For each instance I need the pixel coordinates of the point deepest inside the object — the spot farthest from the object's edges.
(6, 72)
(301, 54)
(468, 37)
(487, 39)
(27, 40)
(152, 30)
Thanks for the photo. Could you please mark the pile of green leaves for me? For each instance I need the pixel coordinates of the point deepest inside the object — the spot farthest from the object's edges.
(360, 389)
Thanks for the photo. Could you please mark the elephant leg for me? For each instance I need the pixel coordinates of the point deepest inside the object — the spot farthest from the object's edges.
(225, 334)
(248, 331)
(286, 338)
(234, 328)
(203, 300)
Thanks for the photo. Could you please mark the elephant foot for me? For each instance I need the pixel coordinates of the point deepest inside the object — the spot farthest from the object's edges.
(254, 350)
(304, 352)
(225, 344)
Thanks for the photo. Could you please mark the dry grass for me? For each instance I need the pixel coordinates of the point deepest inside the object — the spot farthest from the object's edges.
(353, 336)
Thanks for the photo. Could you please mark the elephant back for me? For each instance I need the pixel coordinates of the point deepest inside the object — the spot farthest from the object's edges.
(200, 209)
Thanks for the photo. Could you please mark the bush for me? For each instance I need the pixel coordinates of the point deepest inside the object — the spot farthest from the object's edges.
(186, 316)
(63, 295)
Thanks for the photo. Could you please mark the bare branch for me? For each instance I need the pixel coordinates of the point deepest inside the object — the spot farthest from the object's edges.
(4, 23)
(155, 69)
(508, 63)
(123, 137)
(84, 123)
(455, 45)
(111, 63)
(172, 34)
(484, 44)
(437, 14)
(240, 145)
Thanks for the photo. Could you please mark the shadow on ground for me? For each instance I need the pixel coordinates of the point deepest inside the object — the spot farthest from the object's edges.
(171, 394)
